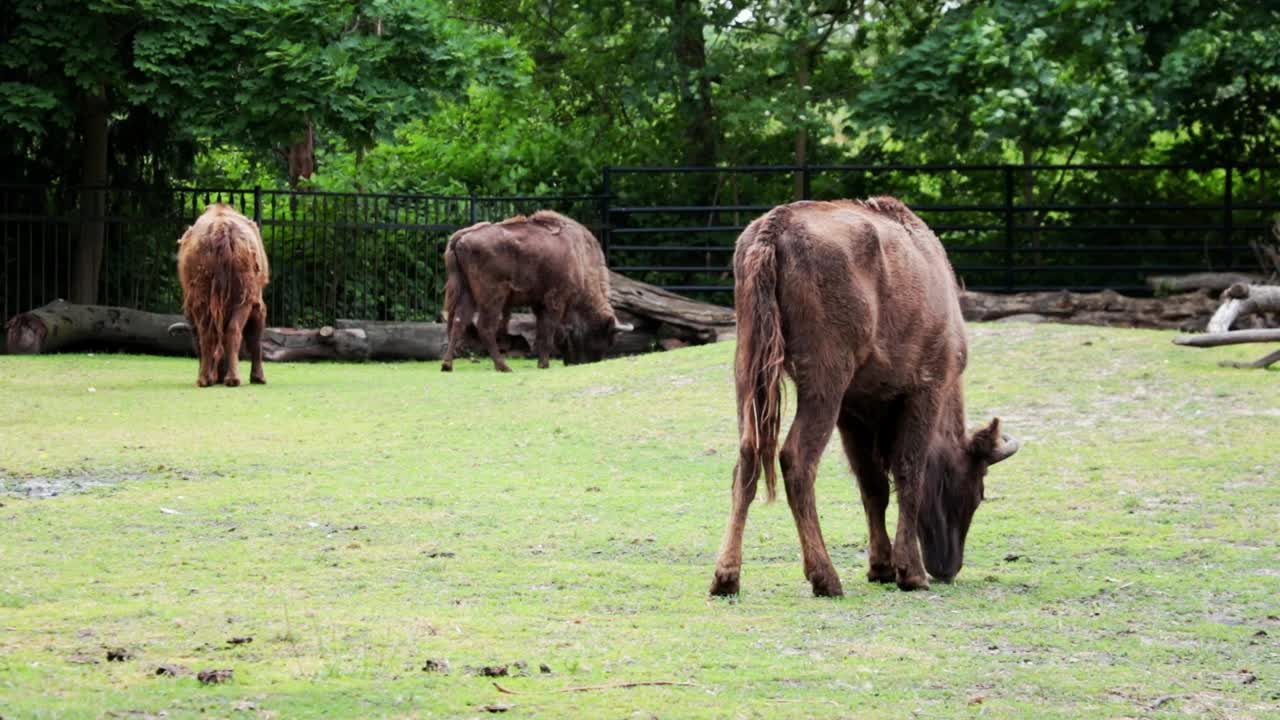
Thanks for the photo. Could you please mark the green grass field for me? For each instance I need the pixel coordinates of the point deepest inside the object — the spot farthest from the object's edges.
(357, 521)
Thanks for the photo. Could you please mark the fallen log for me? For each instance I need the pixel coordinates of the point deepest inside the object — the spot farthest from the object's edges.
(1241, 300)
(400, 340)
(1188, 311)
(669, 315)
(661, 319)
(326, 343)
(61, 325)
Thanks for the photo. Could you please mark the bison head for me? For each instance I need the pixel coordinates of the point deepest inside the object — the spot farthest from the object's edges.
(587, 341)
(951, 494)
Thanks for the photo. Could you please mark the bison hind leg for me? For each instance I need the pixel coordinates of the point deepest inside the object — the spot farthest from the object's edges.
(233, 335)
(253, 337)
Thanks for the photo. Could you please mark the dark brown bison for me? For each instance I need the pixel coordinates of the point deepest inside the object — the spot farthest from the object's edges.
(546, 261)
(223, 268)
(857, 303)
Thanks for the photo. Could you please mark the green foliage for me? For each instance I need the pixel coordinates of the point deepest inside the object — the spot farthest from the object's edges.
(246, 73)
(523, 96)
(1222, 80)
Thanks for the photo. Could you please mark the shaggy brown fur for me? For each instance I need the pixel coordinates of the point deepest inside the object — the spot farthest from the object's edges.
(546, 261)
(223, 268)
(857, 303)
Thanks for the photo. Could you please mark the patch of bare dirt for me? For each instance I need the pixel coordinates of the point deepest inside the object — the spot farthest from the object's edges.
(47, 486)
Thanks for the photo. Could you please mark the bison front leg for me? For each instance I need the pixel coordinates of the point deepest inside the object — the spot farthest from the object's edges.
(873, 484)
(810, 432)
(548, 319)
(232, 337)
(914, 430)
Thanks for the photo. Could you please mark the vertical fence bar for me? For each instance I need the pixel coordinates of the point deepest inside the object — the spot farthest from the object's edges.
(1228, 222)
(806, 182)
(606, 223)
(1009, 227)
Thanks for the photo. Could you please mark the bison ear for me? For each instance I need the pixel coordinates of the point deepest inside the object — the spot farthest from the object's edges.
(992, 445)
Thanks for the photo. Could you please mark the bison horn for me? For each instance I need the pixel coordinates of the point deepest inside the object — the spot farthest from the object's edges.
(179, 328)
(1007, 447)
(622, 327)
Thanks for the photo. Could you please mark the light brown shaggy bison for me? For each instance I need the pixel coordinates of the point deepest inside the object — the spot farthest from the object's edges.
(546, 261)
(857, 303)
(223, 268)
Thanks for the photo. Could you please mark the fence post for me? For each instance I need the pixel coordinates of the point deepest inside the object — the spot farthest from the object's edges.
(257, 205)
(1228, 224)
(1009, 227)
(605, 223)
(474, 217)
(806, 188)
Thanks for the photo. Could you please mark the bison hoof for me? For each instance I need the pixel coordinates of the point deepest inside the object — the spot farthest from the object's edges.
(203, 382)
(446, 367)
(724, 583)
(503, 368)
(826, 586)
(880, 574)
(231, 382)
(257, 380)
(908, 583)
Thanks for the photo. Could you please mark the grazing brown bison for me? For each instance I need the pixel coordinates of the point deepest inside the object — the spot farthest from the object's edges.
(223, 268)
(857, 303)
(546, 261)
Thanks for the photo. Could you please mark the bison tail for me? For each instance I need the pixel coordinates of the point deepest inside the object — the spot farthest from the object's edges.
(225, 285)
(455, 285)
(760, 353)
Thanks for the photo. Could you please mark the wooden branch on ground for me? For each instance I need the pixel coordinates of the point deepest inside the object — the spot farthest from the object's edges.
(1263, 362)
(1213, 282)
(1234, 337)
(1242, 300)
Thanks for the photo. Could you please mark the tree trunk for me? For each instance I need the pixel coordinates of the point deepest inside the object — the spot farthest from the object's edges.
(87, 264)
(1028, 199)
(800, 157)
(301, 155)
(696, 105)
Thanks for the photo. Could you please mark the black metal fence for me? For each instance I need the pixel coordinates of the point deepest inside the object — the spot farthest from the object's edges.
(380, 256)
(352, 255)
(1006, 227)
